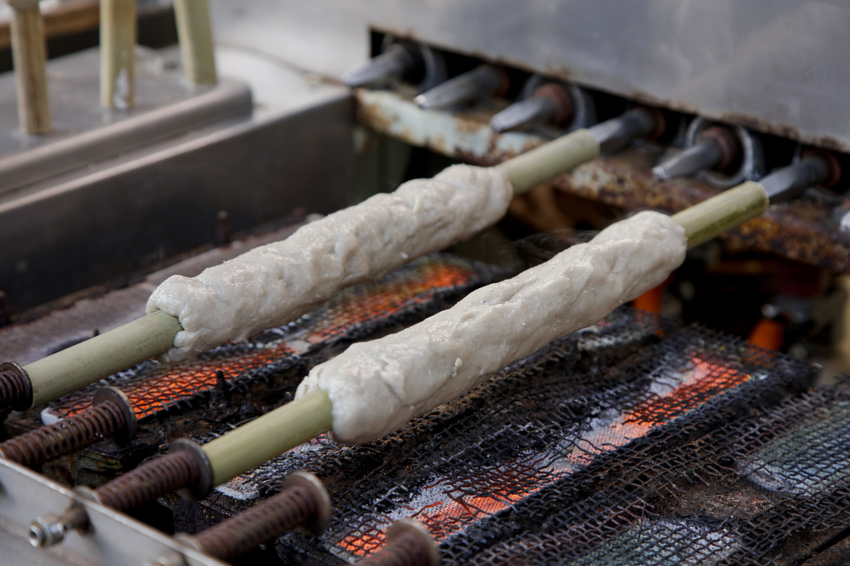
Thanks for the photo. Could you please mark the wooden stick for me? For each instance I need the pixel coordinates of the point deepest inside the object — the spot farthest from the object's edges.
(28, 52)
(196, 41)
(117, 42)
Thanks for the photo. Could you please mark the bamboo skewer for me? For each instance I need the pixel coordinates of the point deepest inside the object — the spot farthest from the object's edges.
(117, 60)
(28, 53)
(196, 41)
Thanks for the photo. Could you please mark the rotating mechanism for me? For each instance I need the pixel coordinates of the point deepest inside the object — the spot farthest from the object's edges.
(723, 156)
(547, 103)
(482, 82)
(400, 61)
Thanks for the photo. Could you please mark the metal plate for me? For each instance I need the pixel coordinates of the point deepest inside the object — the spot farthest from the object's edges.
(773, 65)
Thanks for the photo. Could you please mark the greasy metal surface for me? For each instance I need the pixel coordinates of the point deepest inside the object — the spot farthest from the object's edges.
(128, 214)
(773, 65)
(85, 133)
(804, 231)
(114, 538)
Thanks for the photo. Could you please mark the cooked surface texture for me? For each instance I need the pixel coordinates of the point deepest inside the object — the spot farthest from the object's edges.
(276, 283)
(377, 386)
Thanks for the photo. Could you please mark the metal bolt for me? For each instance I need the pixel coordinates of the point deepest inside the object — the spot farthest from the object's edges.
(51, 529)
(408, 544)
(110, 414)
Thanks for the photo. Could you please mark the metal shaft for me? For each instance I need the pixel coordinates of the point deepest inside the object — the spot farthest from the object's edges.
(704, 155)
(523, 115)
(788, 182)
(480, 82)
(618, 132)
(393, 63)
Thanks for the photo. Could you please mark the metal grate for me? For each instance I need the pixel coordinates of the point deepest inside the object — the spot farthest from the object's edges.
(505, 468)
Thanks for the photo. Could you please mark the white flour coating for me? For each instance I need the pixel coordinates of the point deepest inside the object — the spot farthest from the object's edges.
(276, 283)
(377, 386)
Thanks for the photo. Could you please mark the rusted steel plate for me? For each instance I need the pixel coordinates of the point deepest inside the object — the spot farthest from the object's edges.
(801, 231)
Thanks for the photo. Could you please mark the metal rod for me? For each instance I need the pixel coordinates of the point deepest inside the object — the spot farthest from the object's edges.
(196, 41)
(101, 356)
(117, 60)
(704, 155)
(788, 182)
(523, 115)
(28, 54)
(483, 81)
(618, 132)
(393, 63)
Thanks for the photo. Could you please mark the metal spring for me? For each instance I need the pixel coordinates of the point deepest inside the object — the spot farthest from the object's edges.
(150, 480)
(15, 388)
(406, 549)
(70, 434)
(236, 536)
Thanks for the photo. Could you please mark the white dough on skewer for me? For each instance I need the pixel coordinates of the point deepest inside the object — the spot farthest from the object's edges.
(276, 283)
(375, 387)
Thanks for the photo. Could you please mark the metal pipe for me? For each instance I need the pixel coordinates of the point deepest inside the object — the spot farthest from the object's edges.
(481, 82)
(196, 41)
(117, 60)
(28, 54)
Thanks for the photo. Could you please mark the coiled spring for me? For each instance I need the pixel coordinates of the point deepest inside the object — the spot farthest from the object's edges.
(236, 536)
(150, 480)
(66, 436)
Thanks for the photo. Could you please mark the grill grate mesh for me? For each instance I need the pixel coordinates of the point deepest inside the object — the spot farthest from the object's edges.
(561, 457)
